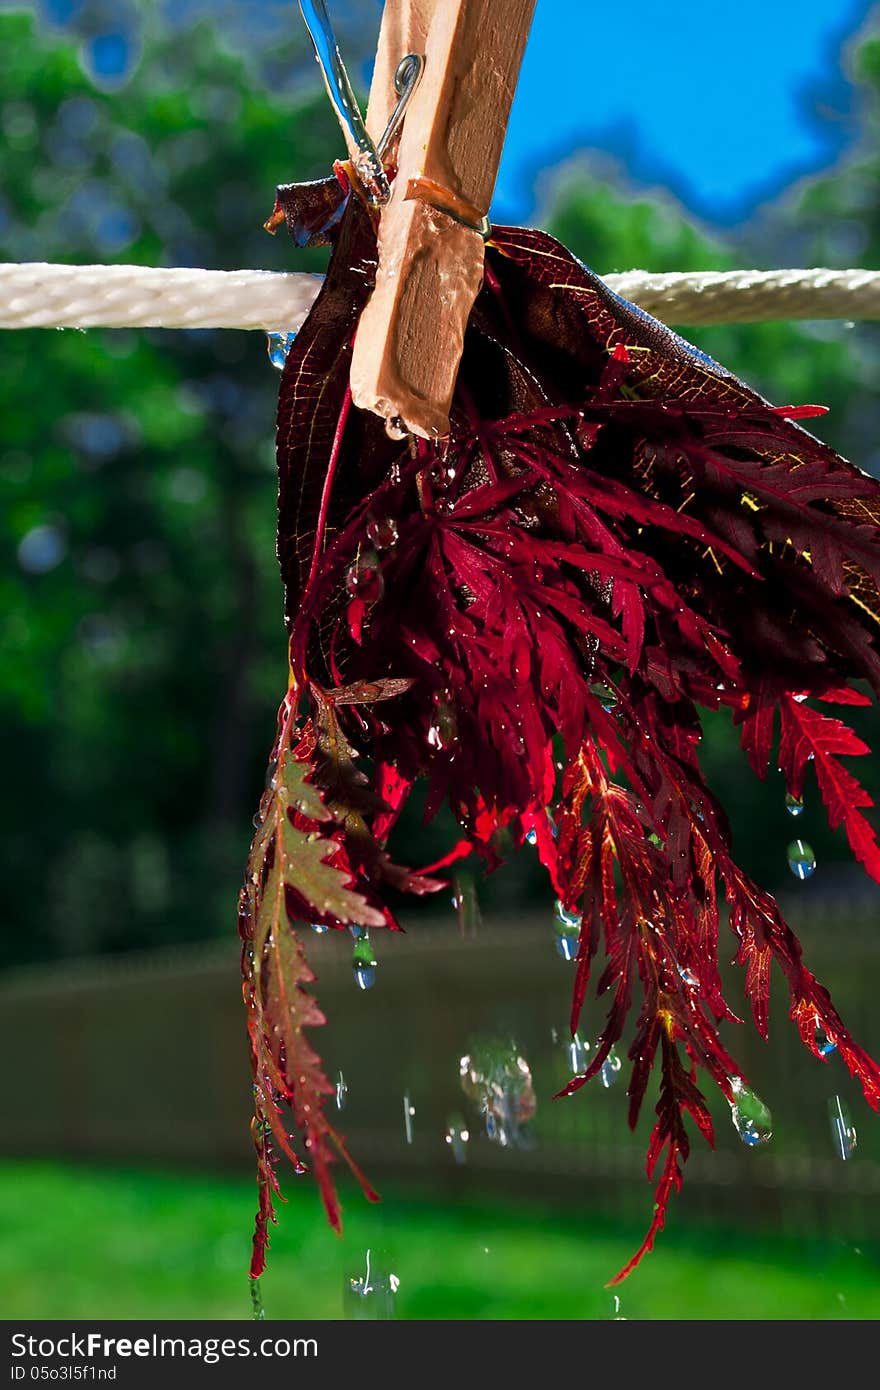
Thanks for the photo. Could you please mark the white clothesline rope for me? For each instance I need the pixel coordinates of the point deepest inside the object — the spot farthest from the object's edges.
(39, 295)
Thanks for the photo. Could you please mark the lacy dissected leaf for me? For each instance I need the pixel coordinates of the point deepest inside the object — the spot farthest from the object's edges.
(615, 534)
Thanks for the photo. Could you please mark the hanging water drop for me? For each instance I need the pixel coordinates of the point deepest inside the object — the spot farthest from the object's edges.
(278, 345)
(409, 1111)
(794, 805)
(750, 1116)
(320, 928)
(363, 961)
(610, 1070)
(341, 1091)
(363, 578)
(801, 859)
(688, 977)
(457, 1137)
(843, 1134)
(532, 837)
(395, 428)
(382, 531)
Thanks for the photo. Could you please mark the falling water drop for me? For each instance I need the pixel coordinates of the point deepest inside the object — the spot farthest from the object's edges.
(843, 1132)
(499, 1082)
(576, 1053)
(370, 1296)
(750, 1116)
(794, 805)
(466, 904)
(610, 1070)
(443, 729)
(457, 1137)
(409, 1111)
(258, 1312)
(566, 925)
(341, 1091)
(363, 961)
(278, 345)
(801, 859)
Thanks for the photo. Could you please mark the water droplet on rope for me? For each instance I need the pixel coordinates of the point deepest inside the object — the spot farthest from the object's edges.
(363, 578)
(751, 1117)
(382, 532)
(843, 1132)
(610, 1070)
(370, 1296)
(409, 1111)
(457, 1136)
(801, 859)
(794, 805)
(278, 345)
(341, 1091)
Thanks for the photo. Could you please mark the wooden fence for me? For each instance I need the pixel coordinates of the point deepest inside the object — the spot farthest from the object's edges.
(142, 1059)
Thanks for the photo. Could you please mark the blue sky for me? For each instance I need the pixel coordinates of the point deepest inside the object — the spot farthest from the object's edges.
(723, 103)
(712, 100)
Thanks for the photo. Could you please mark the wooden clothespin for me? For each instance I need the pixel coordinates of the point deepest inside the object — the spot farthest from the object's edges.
(432, 230)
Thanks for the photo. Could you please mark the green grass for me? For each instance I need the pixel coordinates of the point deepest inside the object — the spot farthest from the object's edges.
(86, 1243)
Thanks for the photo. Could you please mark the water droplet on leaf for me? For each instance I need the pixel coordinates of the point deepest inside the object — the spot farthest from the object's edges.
(382, 531)
(363, 578)
(824, 1044)
(801, 859)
